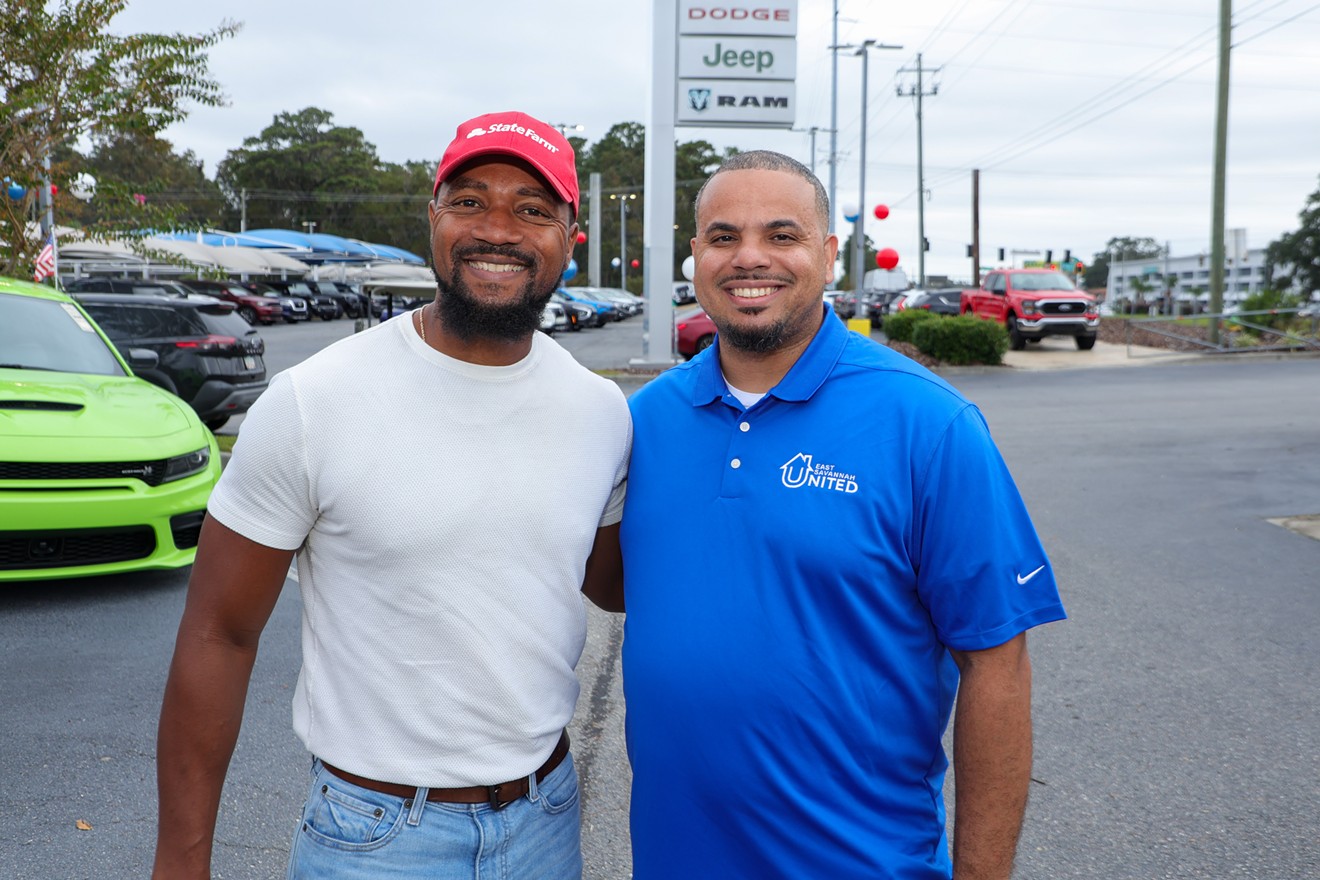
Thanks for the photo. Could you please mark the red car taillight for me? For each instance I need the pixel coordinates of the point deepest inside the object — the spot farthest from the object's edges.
(211, 343)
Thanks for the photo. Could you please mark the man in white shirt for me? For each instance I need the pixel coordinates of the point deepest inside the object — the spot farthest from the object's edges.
(441, 609)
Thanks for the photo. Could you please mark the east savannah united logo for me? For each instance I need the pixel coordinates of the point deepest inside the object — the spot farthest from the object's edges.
(699, 99)
(801, 472)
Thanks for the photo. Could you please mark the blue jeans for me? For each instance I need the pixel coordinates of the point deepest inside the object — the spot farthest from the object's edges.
(352, 833)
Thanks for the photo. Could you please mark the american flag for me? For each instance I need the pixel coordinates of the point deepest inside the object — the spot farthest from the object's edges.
(45, 266)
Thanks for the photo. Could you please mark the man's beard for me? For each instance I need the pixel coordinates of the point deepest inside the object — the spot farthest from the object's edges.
(754, 340)
(469, 318)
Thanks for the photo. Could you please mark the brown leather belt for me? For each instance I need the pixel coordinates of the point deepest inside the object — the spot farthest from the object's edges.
(498, 796)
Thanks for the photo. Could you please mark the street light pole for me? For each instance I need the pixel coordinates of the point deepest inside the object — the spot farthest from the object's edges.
(623, 236)
(859, 226)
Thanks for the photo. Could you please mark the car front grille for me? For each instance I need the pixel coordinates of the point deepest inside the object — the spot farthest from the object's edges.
(149, 472)
(1063, 307)
(59, 548)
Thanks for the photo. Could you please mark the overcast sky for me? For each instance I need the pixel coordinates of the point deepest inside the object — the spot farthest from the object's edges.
(1088, 120)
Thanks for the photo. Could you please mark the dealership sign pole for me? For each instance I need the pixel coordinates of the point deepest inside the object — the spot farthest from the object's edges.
(713, 64)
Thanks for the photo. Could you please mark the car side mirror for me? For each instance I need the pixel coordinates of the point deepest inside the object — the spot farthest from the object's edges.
(143, 359)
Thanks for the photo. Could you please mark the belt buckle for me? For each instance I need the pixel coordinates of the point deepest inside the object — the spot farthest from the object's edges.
(493, 797)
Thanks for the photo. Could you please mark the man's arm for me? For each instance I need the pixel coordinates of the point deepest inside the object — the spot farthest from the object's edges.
(991, 758)
(233, 589)
(603, 581)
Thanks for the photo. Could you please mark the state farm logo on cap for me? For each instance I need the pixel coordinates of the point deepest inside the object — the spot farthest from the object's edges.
(514, 134)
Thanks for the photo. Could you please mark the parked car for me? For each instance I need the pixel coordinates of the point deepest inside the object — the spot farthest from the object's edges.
(608, 310)
(321, 305)
(629, 304)
(352, 303)
(100, 471)
(255, 308)
(206, 353)
(1034, 303)
(941, 301)
(554, 318)
(684, 293)
(585, 314)
(148, 286)
(695, 331)
(294, 307)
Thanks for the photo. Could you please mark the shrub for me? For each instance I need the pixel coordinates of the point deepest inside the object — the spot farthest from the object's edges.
(1271, 299)
(961, 340)
(898, 325)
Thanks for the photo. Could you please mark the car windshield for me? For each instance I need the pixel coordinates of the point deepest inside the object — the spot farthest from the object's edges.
(43, 334)
(1041, 281)
(299, 288)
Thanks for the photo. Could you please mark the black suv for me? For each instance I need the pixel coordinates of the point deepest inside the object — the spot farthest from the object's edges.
(207, 354)
(354, 304)
(149, 286)
(323, 306)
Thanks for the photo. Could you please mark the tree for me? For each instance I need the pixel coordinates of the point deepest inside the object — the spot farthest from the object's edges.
(143, 163)
(620, 158)
(846, 255)
(1119, 249)
(64, 76)
(301, 168)
(1293, 261)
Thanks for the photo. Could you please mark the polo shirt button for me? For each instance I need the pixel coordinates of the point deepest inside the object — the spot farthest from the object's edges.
(744, 427)
(736, 463)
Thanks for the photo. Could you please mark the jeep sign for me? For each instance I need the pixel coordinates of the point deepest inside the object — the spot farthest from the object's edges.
(722, 57)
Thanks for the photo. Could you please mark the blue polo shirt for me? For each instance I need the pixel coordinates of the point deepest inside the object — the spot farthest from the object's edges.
(795, 574)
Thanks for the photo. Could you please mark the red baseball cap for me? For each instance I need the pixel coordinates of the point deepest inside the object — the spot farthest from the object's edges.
(514, 134)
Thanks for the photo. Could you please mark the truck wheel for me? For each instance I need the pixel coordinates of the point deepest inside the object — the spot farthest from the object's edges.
(1015, 339)
(1085, 342)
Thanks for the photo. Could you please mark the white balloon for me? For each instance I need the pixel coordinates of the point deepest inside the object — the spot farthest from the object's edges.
(851, 211)
(689, 267)
(83, 187)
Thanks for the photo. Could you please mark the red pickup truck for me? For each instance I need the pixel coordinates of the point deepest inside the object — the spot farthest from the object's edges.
(1033, 304)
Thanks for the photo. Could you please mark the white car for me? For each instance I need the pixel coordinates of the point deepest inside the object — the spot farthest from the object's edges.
(554, 318)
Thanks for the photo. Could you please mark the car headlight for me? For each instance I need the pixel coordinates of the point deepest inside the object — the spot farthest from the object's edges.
(181, 466)
(1029, 306)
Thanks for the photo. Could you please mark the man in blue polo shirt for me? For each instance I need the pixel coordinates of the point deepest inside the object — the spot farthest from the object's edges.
(859, 556)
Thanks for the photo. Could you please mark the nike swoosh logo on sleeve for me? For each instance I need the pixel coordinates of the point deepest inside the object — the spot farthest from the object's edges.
(1023, 580)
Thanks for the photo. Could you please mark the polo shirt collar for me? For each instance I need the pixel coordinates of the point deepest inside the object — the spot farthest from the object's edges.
(810, 371)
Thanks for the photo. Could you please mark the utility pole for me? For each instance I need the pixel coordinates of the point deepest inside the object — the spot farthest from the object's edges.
(812, 131)
(1221, 162)
(834, 119)
(976, 227)
(242, 223)
(918, 92)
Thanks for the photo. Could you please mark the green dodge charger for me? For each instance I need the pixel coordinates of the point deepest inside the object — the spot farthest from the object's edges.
(100, 472)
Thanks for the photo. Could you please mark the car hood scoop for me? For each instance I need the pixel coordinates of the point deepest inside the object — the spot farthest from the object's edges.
(47, 405)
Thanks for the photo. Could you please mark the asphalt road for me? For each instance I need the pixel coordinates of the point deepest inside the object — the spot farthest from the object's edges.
(1177, 730)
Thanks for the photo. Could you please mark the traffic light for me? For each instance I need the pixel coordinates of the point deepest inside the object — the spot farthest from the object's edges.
(1001, 255)
(969, 250)
(925, 244)
(1067, 256)
(1049, 257)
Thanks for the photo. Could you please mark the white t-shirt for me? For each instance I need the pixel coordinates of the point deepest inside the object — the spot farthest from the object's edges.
(443, 513)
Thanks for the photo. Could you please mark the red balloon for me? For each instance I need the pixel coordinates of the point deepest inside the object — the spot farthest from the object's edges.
(881, 212)
(581, 238)
(636, 263)
(887, 258)
(54, 189)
